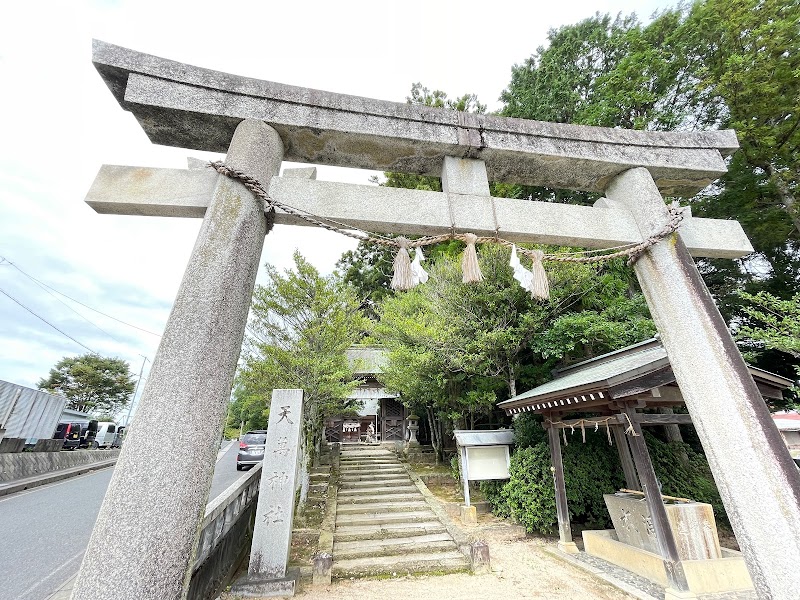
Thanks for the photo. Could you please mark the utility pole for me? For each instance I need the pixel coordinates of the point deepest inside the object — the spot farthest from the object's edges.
(133, 400)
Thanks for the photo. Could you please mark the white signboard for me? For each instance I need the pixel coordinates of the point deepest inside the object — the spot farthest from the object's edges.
(487, 462)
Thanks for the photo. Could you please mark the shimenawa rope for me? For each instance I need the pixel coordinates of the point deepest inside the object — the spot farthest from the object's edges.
(405, 277)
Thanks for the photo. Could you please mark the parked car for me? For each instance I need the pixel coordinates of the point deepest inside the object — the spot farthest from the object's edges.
(70, 433)
(106, 432)
(251, 448)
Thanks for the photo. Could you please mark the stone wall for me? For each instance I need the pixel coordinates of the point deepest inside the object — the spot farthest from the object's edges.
(27, 464)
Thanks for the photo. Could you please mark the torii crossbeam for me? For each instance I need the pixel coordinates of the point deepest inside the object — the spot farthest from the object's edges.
(152, 503)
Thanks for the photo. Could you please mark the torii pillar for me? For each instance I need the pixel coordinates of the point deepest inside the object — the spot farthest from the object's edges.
(143, 543)
(756, 478)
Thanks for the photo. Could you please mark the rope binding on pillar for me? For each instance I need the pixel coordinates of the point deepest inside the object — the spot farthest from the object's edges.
(408, 274)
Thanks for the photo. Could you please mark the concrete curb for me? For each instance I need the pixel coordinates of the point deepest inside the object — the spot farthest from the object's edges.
(18, 485)
(620, 585)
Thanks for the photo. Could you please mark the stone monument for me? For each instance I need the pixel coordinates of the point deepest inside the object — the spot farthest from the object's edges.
(692, 524)
(272, 534)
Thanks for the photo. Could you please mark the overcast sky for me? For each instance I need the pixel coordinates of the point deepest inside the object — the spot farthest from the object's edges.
(59, 123)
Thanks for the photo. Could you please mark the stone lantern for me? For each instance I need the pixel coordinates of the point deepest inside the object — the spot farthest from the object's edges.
(413, 427)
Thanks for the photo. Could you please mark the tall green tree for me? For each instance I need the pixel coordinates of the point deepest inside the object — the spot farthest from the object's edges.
(712, 64)
(301, 324)
(772, 324)
(751, 71)
(455, 349)
(248, 410)
(91, 383)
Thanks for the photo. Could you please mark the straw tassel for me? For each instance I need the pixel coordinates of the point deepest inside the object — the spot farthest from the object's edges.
(540, 287)
(419, 274)
(403, 278)
(469, 262)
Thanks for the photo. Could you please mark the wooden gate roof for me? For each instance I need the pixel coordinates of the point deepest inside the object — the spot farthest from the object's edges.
(640, 371)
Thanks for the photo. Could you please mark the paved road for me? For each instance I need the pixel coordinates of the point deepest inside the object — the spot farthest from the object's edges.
(44, 531)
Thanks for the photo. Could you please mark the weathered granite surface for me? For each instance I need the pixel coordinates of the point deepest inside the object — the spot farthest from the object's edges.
(272, 534)
(190, 107)
(692, 524)
(757, 480)
(148, 526)
(182, 193)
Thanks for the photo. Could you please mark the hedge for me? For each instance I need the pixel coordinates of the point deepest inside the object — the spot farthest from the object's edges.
(590, 470)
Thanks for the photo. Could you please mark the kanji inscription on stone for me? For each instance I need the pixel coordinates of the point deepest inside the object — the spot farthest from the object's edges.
(272, 533)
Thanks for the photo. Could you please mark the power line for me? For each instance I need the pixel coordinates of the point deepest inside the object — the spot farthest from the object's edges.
(44, 287)
(46, 321)
(41, 283)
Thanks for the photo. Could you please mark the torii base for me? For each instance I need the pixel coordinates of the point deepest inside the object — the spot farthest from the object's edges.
(252, 587)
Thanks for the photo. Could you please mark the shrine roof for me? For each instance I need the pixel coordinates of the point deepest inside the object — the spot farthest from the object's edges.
(634, 370)
(495, 437)
(181, 105)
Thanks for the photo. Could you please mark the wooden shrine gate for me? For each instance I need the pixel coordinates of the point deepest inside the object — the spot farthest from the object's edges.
(393, 420)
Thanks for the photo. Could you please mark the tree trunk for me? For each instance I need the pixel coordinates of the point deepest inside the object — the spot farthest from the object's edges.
(435, 438)
(673, 434)
(512, 381)
(788, 200)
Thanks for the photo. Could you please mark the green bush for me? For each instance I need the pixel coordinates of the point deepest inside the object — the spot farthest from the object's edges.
(590, 470)
(455, 467)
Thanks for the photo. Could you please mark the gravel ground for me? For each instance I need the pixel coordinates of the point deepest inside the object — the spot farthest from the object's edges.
(520, 569)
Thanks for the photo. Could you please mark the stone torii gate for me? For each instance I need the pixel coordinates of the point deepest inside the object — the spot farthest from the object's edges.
(147, 529)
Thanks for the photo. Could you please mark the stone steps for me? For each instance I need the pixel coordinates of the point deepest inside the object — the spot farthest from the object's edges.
(384, 526)
(373, 477)
(367, 482)
(361, 466)
(349, 494)
(415, 562)
(433, 542)
(379, 508)
(376, 470)
(378, 496)
(411, 516)
(351, 533)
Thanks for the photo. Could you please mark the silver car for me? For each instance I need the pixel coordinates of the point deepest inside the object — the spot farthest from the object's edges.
(251, 448)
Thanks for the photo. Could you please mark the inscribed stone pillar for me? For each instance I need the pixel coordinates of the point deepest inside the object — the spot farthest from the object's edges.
(758, 482)
(146, 533)
(272, 534)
